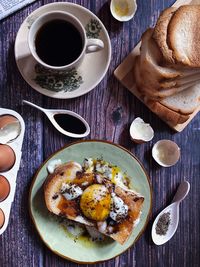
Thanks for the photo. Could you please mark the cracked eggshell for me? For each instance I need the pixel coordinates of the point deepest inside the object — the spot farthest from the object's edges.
(10, 128)
(140, 131)
(123, 10)
(166, 153)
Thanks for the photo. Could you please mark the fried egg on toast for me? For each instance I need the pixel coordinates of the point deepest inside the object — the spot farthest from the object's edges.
(94, 198)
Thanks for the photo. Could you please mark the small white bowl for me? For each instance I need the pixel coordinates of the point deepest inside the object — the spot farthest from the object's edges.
(166, 153)
(123, 10)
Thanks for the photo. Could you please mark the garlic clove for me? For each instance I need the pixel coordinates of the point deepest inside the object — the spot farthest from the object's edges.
(140, 131)
(166, 153)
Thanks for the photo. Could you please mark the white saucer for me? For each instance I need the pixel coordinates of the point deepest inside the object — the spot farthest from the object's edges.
(62, 84)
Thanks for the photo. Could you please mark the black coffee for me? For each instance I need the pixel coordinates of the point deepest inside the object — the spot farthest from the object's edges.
(58, 43)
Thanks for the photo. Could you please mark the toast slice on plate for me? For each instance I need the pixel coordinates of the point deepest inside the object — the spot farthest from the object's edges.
(67, 193)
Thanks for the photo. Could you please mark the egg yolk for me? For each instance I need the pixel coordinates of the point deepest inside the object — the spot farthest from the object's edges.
(121, 9)
(95, 202)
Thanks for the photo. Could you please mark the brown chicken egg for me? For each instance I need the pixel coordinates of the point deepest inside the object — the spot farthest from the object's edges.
(4, 188)
(2, 218)
(95, 202)
(7, 119)
(7, 158)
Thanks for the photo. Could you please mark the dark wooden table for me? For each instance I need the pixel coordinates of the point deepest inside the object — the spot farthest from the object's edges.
(109, 109)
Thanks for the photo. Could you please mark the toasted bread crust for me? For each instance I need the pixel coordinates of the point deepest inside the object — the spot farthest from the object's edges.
(160, 34)
(166, 114)
(151, 58)
(134, 202)
(54, 182)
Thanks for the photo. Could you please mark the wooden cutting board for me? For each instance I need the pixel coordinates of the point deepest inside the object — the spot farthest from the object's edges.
(124, 73)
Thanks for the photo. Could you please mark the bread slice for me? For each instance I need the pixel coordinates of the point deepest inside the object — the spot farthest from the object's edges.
(157, 77)
(184, 102)
(149, 90)
(181, 81)
(70, 209)
(160, 34)
(184, 35)
(171, 117)
(53, 198)
(166, 114)
(159, 95)
(134, 202)
(151, 58)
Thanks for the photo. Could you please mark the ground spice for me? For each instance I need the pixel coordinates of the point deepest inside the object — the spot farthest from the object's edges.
(163, 224)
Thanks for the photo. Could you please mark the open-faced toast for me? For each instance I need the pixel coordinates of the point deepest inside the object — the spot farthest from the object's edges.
(77, 194)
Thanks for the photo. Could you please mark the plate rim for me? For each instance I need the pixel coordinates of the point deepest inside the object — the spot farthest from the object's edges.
(61, 149)
(54, 94)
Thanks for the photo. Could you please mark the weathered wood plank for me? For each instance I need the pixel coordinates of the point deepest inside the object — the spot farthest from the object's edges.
(109, 109)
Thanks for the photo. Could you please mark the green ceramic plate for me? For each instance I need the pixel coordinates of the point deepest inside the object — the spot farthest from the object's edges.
(48, 225)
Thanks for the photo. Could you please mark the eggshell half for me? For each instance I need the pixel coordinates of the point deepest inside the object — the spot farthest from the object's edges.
(10, 128)
(7, 119)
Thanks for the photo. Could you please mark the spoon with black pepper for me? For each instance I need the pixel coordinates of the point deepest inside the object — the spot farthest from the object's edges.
(67, 122)
(166, 222)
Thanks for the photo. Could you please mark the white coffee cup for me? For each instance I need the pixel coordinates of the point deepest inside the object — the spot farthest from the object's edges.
(88, 45)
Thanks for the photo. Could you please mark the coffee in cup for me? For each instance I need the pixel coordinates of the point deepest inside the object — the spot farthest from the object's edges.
(57, 40)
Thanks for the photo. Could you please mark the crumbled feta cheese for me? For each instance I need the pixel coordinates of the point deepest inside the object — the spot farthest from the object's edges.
(71, 191)
(88, 164)
(119, 210)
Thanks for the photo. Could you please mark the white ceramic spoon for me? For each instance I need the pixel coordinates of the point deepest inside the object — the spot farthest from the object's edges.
(173, 209)
(123, 10)
(74, 125)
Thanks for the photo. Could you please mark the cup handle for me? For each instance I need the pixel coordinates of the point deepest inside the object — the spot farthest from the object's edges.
(94, 45)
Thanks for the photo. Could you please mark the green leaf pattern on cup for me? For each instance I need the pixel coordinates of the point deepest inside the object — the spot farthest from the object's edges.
(66, 81)
(93, 29)
(57, 81)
